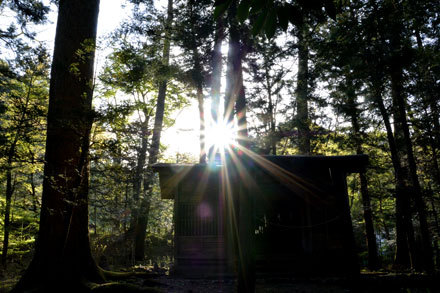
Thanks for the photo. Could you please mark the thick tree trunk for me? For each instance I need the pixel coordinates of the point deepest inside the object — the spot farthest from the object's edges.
(63, 259)
(302, 92)
(144, 211)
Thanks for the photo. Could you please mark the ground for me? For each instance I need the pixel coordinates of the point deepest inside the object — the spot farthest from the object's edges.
(367, 282)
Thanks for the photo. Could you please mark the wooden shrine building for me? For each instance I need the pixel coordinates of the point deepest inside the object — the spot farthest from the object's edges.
(284, 214)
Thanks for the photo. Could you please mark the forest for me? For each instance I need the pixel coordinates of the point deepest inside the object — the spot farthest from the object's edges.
(84, 118)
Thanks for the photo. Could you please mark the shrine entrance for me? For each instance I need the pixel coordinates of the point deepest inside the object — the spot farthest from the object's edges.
(276, 214)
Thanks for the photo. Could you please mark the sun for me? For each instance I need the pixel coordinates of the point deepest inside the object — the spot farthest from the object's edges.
(220, 137)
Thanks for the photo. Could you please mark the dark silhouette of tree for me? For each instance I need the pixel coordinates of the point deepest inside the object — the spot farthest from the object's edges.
(62, 259)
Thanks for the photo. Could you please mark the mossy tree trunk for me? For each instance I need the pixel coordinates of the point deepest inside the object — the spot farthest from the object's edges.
(63, 259)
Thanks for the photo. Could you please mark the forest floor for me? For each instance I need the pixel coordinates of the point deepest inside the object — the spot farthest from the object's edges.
(367, 282)
(390, 282)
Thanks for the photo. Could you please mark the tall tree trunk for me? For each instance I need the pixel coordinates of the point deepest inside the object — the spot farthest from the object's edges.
(272, 139)
(144, 213)
(141, 159)
(240, 108)
(200, 100)
(302, 92)
(405, 146)
(373, 261)
(63, 259)
(406, 255)
(216, 69)
(430, 96)
(235, 96)
(233, 67)
(405, 242)
(405, 143)
(216, 64)
(137, 186)
(198, 80)
(33, 192)
(9, 191)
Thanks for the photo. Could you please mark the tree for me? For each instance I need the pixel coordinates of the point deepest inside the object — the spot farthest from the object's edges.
(194, 28)
(142, 220)
(62, 257)
(267, 67)
(25, 99)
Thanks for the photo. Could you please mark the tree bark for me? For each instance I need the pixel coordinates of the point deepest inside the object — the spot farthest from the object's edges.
(233, 66)
(198, 80)
(405, 242)
(373, 261)
(405, 144)
(216, 70)
(142, 219)
(7, 225)
(62, 259)
(138, 180)
(302, 92)
(216, 64)
(272, 139)
(200, 100)
(235, 98)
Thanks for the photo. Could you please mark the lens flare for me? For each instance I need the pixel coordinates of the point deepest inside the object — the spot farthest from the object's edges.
(220, 137)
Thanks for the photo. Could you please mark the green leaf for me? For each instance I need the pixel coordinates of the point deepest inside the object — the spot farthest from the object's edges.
(270, 25)
(243, 10)
(258, 25)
